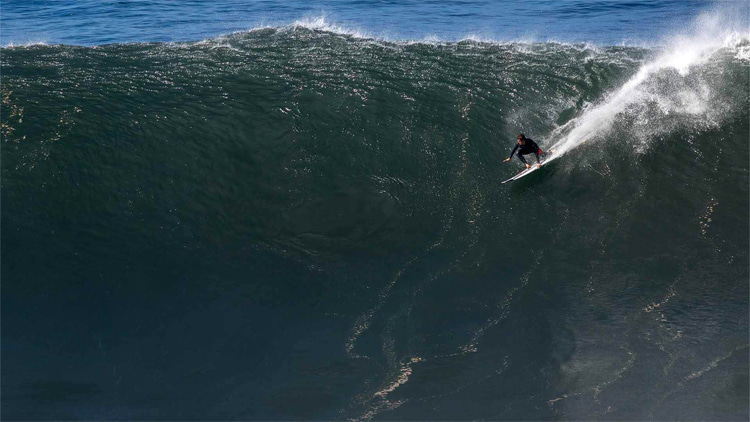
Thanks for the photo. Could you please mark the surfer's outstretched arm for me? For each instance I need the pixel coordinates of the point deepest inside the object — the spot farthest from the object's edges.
(511, 155)
(513, 152)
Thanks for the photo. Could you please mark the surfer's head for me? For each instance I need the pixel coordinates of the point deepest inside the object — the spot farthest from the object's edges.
(521, 139)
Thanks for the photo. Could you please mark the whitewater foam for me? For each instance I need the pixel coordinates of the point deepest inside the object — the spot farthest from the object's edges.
(665, 81)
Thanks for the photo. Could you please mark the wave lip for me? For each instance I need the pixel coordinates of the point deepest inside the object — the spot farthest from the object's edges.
(320, 23)
(25, 44)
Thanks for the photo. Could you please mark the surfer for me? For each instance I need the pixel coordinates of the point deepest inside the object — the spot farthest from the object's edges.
(525, 146)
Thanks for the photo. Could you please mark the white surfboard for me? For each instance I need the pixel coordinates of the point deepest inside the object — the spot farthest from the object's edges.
(549, 157)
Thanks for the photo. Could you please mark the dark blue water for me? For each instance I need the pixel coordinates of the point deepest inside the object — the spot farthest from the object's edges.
(305, 220)
(89, 22)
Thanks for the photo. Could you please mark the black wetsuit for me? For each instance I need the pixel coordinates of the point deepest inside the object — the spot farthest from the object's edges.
(529, 147)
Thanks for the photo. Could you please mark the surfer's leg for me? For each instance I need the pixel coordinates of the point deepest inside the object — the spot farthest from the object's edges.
(520, 157)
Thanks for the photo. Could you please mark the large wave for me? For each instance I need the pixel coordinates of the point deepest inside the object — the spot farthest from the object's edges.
(372, 168)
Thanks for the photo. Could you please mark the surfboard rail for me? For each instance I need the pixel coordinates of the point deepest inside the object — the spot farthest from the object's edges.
(551, 156)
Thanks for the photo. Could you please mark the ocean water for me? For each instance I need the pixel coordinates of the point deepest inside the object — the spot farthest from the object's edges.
(293, 210)
(95, 22)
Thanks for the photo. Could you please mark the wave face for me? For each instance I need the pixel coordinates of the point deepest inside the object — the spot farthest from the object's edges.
(291, 223)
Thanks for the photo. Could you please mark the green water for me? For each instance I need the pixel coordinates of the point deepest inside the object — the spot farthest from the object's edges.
(295, 224)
